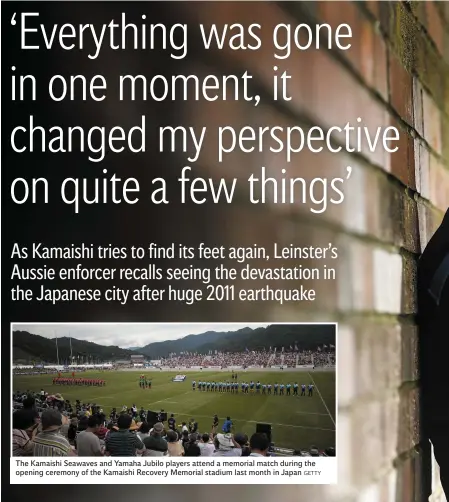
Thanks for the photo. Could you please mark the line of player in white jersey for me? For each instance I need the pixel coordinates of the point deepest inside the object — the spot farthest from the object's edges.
(255, 388)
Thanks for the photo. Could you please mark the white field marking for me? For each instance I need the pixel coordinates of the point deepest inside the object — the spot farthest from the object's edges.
(319, 393)
(93, 400)
(192, 413)
(252, 421)
(167, 399)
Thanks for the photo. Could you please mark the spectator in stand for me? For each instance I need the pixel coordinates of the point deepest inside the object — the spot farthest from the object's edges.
(242, 440)
(49, 442)
(87, 442)
(144, 431)
(123, 442)
(65, 426)
(322, 356)
(155, 444)
(101, 417)
(206, 446)
(72, 430)
(191, 448)
(184, 438)
(24, 430)
(101, 429)
(82, 426)
(110, 427)
(226, 446)
(174, 444)
(259, 444)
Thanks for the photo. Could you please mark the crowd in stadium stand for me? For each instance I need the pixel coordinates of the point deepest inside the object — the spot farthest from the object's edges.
(244, 359)
(289, 358)
(262, 358)
(51, 426)
(190, 360)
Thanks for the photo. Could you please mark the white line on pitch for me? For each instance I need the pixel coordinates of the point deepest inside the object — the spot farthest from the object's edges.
(319, 393)
(311, 413)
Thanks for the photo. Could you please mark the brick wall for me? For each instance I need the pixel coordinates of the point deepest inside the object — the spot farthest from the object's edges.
(396, 73)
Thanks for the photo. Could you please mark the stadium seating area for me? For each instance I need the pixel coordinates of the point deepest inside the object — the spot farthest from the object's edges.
(246, 359)
(78, 429)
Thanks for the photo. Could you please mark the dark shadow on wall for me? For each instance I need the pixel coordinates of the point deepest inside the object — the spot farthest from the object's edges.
(54, 224)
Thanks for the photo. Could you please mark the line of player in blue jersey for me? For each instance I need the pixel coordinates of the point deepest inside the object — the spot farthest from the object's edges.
(255, 388)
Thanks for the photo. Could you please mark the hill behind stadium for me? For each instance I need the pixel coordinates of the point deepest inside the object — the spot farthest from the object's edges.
(306, 337)
(35, 348)
(28, 347)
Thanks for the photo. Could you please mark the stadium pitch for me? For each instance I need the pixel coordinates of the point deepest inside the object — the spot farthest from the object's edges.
(297, 422)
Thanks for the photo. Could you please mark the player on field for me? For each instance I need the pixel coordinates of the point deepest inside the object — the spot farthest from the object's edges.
(258, 387)
(193, 385)
(276, 386)
(288, 387)
(269, 388)
(227, 425)
(303, 389)
(281, 389)
(310, 390)
(295, 389)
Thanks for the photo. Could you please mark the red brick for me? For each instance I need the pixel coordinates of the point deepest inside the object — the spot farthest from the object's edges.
(418, 113)
(373, 7)
(403, 160)
(438, 183)
(432, 123)
(334, 14)
(368, 52)
(435, 26)
(429, 220)
(400, 82)
(408, 488)
(329, 102)
(422, 167)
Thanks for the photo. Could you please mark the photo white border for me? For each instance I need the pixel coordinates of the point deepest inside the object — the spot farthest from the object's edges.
(101, 481)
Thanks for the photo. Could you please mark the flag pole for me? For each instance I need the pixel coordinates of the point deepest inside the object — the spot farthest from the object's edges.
(57, 350)
(70, 340)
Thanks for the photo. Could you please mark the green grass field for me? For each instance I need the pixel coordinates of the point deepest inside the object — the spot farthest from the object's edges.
(297, 422)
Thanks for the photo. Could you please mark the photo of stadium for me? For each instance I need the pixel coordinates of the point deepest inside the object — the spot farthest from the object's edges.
(275, 379)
